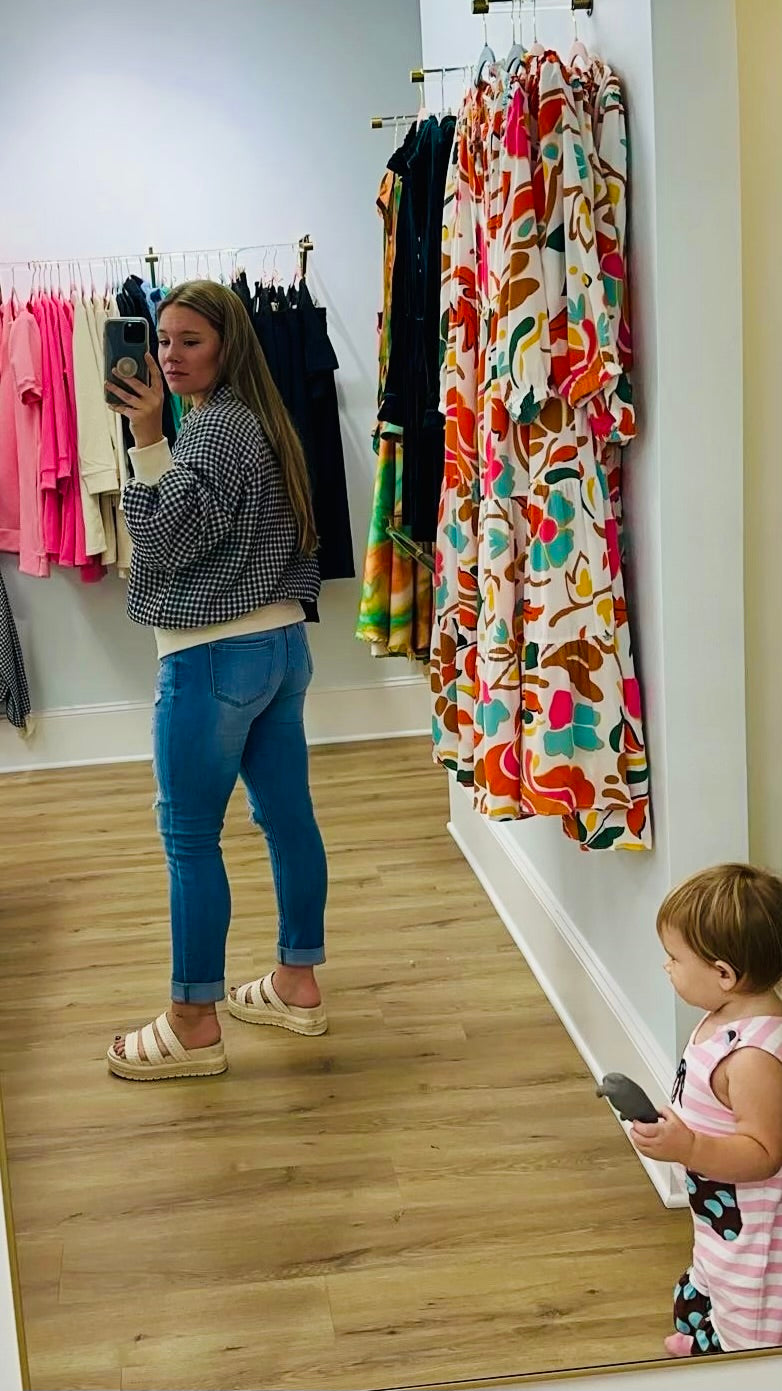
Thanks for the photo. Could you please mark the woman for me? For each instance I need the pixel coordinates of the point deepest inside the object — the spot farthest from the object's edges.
(223, 556)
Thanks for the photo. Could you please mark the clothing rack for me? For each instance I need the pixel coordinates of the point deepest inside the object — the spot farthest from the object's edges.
(304, 246)
(383, 122)
(419, 75)
(484, 7)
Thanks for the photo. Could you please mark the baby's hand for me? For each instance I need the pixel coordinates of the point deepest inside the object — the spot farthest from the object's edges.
(668, 1140)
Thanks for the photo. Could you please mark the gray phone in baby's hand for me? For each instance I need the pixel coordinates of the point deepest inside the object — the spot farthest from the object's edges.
(125, 345)
(628, 1099)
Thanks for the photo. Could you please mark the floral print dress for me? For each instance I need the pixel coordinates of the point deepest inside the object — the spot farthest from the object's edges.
(535, 700)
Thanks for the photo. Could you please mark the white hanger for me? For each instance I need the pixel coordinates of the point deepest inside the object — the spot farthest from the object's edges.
(487, 55)
(423, 110)
(579, 50)
(537, 49)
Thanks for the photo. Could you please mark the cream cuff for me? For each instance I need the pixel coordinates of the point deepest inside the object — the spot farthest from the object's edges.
(150, 463)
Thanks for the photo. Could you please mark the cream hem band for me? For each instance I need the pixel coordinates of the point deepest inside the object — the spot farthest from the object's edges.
(282, 615)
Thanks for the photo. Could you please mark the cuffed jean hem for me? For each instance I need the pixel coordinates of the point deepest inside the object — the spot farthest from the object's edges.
(312, 956)
(199, 994)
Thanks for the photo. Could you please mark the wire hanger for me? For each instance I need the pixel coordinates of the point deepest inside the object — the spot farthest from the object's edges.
(487, 55)
(517, 52)
(579, 50)
(537, 49)
(423, 110)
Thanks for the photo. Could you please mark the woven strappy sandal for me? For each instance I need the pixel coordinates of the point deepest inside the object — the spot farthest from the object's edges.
(158, 1066)
(259, 1003)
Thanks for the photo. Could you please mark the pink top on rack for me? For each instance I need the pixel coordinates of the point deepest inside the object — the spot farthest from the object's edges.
(9, 474)
(50, 497)
(25, 362)
(91, 568)
(66, 548)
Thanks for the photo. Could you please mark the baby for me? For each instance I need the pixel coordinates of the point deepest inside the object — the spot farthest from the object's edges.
(722, 933)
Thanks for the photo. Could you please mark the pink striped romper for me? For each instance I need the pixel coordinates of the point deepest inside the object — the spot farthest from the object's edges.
(734, 1286)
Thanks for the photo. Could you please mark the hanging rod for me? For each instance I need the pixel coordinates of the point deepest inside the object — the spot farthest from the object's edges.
(575, 6)
(420, 74)
(304, 244)
(380, 122)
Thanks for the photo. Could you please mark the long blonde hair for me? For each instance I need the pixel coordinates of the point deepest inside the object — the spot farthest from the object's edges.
(244, 369)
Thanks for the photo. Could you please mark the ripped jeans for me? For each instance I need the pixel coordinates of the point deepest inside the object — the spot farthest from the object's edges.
(226, 710)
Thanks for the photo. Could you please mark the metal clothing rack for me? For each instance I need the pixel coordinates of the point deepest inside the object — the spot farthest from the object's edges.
(382, 122)
(575, 7)
(304, 247)
(421, 74)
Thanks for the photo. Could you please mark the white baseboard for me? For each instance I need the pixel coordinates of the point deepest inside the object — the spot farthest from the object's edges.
(606, 1029)
(120, 733)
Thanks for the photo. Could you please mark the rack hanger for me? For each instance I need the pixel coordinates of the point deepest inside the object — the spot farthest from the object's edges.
(575, 7)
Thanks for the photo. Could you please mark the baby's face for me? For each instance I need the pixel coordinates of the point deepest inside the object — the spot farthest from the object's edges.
(697, 982)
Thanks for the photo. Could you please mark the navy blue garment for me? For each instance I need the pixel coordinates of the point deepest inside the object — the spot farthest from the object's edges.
(293, 333)
(132, 304)
(412, 391)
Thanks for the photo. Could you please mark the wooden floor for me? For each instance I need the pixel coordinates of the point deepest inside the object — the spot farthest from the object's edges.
(428, 1193)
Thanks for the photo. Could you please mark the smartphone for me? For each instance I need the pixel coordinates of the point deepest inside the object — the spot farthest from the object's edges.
(125, 345)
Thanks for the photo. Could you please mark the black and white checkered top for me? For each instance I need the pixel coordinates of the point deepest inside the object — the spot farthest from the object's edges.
(214, 537)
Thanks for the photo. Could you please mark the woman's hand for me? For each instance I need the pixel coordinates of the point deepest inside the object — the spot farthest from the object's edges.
(142, 404)
(668, 1139)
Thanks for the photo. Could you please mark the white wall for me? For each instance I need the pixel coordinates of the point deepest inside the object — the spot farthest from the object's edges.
(683, 476)
(189, 124)
(760, 42)
(10, 1366)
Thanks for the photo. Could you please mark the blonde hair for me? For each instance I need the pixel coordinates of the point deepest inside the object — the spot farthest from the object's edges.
(731, 913)
(244, 369)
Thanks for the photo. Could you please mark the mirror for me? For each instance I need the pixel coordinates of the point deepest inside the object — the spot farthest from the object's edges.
(429, 1192)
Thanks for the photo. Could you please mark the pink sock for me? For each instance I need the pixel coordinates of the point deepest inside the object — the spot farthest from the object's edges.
(678, 1345)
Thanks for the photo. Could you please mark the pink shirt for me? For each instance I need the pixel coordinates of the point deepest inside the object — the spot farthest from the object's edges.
(50, 496)
(9, 475)
(737, 1256)
(25, 362)
(66, 547)
(91, 568)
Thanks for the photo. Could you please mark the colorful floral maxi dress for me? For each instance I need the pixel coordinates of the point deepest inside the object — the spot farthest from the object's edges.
(535, 700)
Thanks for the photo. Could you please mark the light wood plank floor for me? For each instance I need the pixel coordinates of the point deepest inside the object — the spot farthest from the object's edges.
(431, 1192)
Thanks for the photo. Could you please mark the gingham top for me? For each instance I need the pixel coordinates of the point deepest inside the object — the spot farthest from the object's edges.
(214, 536)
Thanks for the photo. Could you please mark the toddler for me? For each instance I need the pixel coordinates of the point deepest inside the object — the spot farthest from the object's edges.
(722, 934)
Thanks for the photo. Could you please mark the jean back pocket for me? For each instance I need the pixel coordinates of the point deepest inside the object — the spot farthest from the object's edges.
(244, 669)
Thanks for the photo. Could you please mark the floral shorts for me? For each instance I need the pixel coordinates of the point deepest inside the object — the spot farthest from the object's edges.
(692, 1315)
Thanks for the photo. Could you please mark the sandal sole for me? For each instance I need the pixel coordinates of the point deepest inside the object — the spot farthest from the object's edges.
(131, 1072)
(250, 1015)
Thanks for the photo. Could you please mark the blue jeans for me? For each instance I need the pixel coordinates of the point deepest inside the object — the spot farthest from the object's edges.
(226, 710)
